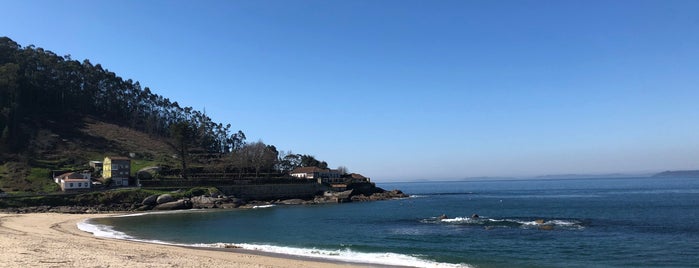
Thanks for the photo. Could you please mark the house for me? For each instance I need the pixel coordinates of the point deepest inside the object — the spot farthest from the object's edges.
(118, 169)
(321, 174)
(73, 181)
(96, 165)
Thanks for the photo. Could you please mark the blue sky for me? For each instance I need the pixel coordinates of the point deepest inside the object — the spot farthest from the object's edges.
(404, 90)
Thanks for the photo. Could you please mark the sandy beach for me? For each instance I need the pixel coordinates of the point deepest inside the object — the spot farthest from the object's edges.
(53, 240)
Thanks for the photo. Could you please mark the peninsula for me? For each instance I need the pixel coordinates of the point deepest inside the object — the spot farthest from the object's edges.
(75, 137)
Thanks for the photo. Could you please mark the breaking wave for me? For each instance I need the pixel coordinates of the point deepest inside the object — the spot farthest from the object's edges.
(264, 206)
(342, 255)
(524, 223)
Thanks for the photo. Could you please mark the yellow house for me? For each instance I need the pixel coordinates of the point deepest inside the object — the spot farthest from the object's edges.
(118, 169)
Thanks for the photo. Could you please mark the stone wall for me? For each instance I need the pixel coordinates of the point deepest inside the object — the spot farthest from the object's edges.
(274, 191)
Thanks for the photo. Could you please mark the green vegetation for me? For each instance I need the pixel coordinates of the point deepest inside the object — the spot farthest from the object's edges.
(95, 113)
(117, 196)
(138, 164)
(40, 178)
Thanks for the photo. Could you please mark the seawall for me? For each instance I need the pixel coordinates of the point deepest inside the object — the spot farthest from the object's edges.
(273, 191)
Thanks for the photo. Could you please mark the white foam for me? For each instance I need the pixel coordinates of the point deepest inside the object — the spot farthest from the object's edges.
(101, 230)
(417, 196)
(347, 255)
(343, 255)
(264, 206)
(459, 220)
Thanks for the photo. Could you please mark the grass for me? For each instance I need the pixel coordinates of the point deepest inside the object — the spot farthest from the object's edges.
(40, 179)
(138, 164)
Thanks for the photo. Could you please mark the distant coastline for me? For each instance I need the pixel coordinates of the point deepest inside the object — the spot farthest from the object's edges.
(678, 174)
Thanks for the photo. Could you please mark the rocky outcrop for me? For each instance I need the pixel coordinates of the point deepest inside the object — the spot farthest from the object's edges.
(165, 198)
(386, 195)
(151, 200)
(179, 204)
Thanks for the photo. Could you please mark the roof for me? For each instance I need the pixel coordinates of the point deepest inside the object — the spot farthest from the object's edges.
(308, 170)
(118, 158)
(357, 176)
(76, 180)
(72, 176)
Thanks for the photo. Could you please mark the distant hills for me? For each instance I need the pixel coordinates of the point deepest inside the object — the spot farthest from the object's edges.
(679, 173)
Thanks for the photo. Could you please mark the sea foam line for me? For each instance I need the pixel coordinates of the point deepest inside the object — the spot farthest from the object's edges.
(342, 255)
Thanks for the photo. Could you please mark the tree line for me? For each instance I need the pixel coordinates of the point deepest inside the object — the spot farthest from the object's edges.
(38, 84)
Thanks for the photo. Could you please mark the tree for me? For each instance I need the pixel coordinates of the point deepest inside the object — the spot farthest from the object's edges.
(182, 133)
(343, 170)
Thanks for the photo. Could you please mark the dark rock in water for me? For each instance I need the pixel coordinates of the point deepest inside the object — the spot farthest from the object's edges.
(165, 198)
(546, 227)
(179, 204)
(475, 216)
(151, 200)
(442, 217)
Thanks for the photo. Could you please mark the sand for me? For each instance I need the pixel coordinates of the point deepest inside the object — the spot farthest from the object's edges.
(53, 240)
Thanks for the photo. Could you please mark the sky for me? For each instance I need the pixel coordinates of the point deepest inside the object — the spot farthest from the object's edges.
(410, 90)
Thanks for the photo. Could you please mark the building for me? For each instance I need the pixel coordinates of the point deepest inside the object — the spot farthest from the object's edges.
(118, 169)
(96, 165)
(358, 178)
(73, 181)
(321, 174)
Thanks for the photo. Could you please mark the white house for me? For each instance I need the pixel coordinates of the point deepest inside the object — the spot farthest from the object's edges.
(321, 174)
(73, 181)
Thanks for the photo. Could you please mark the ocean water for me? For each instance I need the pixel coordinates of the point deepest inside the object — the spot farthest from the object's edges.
(629, 222)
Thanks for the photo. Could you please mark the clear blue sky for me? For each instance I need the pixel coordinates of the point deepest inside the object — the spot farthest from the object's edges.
(403, 90)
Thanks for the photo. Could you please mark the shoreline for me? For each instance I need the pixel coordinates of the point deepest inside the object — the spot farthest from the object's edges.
(53, 239)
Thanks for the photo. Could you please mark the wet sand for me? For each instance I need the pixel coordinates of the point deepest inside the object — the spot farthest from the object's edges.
(53, 240)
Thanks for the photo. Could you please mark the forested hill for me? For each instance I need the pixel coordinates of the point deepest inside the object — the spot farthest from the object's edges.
(37, 86)
(58, 113)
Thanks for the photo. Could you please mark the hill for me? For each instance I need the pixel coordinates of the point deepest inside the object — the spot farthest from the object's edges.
(59, 113)
(679, 174)
(71, 146)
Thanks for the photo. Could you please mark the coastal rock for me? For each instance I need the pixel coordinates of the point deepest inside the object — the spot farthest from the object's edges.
(165, 198)
(205, 202)
(150, 200)
(179, 204)
(292, 202)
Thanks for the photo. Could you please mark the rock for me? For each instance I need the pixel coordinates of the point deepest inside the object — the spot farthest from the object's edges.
(546, 227)
(144, 208)
(150, 200)
(442, 217)
(228, 205)
(292, 202)
(144, 175)
(165, 198)
(475, 216)
(179, 204)
(539, 221)
(204, 202)
(215, 193)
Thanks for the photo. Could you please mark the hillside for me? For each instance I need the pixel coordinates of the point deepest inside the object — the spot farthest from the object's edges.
(60, 113)
(70, 146)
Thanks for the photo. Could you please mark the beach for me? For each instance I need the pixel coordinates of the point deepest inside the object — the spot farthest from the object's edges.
(53, 240)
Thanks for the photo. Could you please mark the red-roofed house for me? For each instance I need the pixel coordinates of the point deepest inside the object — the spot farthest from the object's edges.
(73, 181)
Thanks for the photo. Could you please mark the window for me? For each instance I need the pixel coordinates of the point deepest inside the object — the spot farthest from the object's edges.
(80, 184)
(71, 185)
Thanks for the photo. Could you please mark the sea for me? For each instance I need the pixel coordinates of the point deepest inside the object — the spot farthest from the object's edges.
(596, 222)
